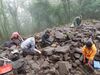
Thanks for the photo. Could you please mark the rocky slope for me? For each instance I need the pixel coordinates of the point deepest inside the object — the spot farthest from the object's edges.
(64, 57)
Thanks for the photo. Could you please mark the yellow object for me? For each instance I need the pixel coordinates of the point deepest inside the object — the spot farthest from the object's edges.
(89, 53)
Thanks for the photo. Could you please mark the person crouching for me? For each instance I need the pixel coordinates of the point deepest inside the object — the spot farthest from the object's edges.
(45, 39)
(28, 46)
(89, 52)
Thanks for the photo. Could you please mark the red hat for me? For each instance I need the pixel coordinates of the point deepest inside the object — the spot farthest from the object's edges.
(14, 34)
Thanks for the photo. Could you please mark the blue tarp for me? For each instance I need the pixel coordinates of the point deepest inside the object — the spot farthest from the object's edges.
(97, 64)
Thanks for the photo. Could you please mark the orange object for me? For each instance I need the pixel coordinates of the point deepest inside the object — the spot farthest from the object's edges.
(89, 53)
(5, 68)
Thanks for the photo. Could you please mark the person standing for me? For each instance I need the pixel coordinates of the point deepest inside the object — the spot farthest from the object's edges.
(77, 21)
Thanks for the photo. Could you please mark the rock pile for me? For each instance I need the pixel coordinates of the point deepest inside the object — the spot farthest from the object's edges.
(63, 59)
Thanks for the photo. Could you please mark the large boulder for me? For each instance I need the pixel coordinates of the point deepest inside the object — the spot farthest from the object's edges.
(64, 67)
(78, 50)
(63, 49)
(59, 35)
(48, 51)
(34, 66)
(19, 66)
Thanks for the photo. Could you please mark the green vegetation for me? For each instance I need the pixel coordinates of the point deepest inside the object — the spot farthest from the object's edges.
(29, 16)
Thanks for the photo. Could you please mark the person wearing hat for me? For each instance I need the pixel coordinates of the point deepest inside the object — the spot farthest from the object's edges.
(45, 39)
(28, 46)
(15, 35)
(89, 51)
(16, 38)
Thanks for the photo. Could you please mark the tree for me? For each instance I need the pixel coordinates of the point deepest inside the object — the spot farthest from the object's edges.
(41, 14)
(14, 12)
(3, 20)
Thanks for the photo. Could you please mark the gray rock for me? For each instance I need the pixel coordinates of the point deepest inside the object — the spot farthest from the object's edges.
(18, 64)
(78, 50)
(77, 62)
(51, 38)
(34, 66)
(73, 71)
(40, 73)
(97, 32)
(40, 61)
(36, 57)
(76, 55)
(74, 44)
(83, 40)
(74, 65)
(97, 26)
(97, 58)
(63, 49)
(56, 66)
(53, 71)
(59, 35)
(79, 35)
(55, 58)
(66, 57)
(4, 54)
(76, 39)
(28, 57)
(45, 65)
(48, 51)
(27, 68)
(70, 35)
(1, 62)
(98, 38)
(78, 73)
(46, 71)
(64, 67)
(61, 57)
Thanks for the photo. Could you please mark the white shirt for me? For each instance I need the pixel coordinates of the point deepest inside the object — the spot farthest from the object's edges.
(28, 42)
